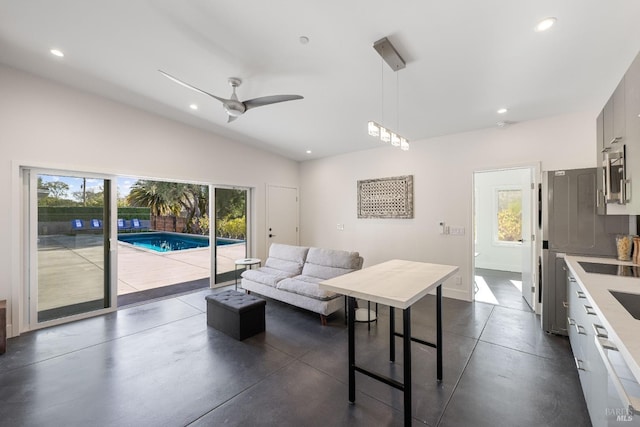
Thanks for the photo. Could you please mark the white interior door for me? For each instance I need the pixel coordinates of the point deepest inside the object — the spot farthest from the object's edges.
(282, 215)
(528, 238)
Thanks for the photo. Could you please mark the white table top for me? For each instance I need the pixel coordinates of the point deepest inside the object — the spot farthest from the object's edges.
(248, 261)
(396, 283)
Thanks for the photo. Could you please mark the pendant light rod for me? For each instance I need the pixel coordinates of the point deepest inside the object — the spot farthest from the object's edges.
(389, 53)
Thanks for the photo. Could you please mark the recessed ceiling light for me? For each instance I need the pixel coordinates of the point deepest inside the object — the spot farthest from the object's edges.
(57, 52)
(193, 106)
(308, 151)
(545, 24)
(502, 111)
(304, 39)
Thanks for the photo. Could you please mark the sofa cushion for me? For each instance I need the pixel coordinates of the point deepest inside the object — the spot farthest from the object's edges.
(330, 263)
(286, 258)
(306, 286)
(266, 276)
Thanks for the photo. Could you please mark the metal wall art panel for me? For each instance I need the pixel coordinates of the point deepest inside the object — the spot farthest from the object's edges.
(386, 197)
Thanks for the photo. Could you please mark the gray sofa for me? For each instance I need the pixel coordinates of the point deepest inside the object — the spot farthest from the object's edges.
(291, 274)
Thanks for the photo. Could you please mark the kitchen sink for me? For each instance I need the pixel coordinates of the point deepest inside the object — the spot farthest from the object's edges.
(631, 302)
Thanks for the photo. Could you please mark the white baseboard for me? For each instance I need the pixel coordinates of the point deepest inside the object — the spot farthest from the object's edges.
(461, 294)
(500, 267)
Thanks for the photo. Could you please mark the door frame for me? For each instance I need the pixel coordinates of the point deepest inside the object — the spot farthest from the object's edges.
(536, 176)
(27, 306)
(249, 233)
(267, 214)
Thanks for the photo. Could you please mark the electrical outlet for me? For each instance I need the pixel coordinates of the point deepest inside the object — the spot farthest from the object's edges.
(457, 280)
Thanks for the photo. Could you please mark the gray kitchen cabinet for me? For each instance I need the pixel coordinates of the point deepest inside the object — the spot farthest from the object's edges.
(619, 117)
(632, 144)
(620, 123)
(601, 205)
(614, 117)
(632, 103)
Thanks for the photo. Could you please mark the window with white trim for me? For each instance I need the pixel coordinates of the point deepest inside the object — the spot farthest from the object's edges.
(508, 216)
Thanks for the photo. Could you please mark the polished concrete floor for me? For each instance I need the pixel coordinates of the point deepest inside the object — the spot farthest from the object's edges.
(160, 365)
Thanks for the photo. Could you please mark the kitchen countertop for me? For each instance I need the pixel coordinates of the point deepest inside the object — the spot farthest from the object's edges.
(623, 329)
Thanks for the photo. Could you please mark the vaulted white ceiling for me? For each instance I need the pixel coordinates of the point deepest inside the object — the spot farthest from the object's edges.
(465, 59)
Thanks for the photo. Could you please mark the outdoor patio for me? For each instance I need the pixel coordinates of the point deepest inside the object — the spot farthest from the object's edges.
(71, 268)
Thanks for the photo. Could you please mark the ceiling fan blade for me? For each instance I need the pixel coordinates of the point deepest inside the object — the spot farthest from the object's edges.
(188, 86)
(266, 100)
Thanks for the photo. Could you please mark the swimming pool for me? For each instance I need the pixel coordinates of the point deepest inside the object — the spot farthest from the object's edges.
(163, 241)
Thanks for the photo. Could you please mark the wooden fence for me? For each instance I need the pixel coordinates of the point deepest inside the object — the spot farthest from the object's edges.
(168, 223)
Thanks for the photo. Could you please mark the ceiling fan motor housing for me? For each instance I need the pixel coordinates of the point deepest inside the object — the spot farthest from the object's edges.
(234, 108)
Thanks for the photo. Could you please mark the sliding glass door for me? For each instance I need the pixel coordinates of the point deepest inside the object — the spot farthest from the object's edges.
(231, 207)
(69, 255)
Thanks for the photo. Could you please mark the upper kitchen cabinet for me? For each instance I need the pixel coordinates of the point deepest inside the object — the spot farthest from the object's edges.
(632, 108)
(601, 206)
(619, 147)
(614, 117)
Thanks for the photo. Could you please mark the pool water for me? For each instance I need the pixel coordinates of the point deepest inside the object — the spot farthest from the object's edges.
(169, 242)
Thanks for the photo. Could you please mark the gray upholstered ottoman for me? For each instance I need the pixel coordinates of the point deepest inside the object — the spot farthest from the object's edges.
(236, 314)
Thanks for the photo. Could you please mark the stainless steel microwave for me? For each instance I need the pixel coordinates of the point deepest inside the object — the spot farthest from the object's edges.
(615, 180)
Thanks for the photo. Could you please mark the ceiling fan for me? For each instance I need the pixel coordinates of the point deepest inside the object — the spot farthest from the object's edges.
(233, 106)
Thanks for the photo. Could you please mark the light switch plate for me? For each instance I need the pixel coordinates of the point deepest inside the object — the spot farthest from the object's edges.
(457, 231)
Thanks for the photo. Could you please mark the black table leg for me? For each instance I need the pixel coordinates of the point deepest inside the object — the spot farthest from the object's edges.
(392, 335)
(439, 331)
(406, 341)
(352, 350)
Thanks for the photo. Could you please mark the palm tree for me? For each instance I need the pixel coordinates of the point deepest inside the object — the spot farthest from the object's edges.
(156, 195)
(171, 198)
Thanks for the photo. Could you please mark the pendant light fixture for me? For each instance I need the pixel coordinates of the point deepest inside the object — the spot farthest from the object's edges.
(390, 55)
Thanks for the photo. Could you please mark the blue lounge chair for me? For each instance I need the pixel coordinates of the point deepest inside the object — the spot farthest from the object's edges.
(122, 225)
(136, 225)
(77, 225)
(95, 224)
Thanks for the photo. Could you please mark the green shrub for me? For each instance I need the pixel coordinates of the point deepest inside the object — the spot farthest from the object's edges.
(232, 228)
(201, 224)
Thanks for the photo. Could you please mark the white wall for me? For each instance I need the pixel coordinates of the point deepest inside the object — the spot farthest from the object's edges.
(494, 255)
(443, 170)
(46, 124)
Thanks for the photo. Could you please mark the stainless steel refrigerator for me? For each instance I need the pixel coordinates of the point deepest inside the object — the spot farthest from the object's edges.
(571, 226)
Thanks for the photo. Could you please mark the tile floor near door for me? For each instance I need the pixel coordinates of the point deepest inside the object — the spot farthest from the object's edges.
(160, 365)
